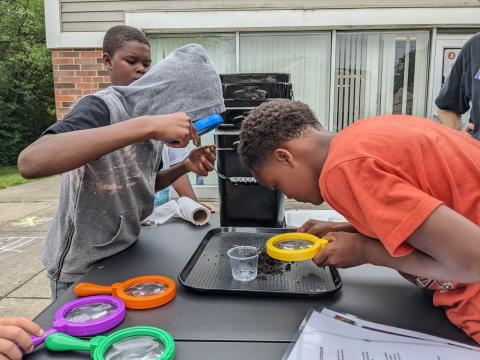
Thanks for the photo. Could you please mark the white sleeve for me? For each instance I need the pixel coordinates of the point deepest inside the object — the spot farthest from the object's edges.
(176, 155)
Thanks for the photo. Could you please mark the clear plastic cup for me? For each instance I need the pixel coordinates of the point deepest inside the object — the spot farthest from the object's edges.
(244, 262)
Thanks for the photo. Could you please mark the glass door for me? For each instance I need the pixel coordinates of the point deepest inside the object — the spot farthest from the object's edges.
(445, 52)
(379, 73)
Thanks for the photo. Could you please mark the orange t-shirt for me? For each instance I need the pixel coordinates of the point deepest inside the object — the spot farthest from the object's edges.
(387, 174)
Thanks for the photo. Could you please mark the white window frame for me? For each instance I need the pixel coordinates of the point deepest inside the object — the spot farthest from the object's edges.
(286, 20)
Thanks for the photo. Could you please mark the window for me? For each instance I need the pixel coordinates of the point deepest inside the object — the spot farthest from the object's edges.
(379, 73)
(374, 72)
(306, 56)
(220, 49)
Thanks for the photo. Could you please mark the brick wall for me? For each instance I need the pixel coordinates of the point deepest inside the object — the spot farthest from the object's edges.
(76, 73)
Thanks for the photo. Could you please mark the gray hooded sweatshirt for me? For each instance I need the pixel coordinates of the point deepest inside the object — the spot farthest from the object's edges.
(103, 202)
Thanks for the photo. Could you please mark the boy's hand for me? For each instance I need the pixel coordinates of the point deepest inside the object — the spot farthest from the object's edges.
(320, 228)
(317, 227)
(176, 127)
(201, 160)
(343, 251)
(15, 333)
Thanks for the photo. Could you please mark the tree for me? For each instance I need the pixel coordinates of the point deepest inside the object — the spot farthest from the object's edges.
(27, 103)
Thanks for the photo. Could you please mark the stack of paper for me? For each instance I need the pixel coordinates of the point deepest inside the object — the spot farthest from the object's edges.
(329, 335)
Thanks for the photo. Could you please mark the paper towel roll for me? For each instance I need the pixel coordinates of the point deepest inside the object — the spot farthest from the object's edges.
(184, 208)
(192, 211)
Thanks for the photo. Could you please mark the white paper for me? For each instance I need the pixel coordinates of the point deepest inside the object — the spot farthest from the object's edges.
(184, 208)
(328, 335)
(394, 330)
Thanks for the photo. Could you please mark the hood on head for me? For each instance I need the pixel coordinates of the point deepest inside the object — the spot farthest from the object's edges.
(185, 81)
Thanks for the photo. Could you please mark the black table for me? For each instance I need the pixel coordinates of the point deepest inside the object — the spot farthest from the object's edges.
(207, 326)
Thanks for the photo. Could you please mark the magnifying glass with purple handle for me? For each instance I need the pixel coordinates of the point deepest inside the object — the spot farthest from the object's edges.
(86, 316)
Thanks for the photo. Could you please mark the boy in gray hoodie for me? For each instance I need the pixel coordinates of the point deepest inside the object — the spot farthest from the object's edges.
(110, 172)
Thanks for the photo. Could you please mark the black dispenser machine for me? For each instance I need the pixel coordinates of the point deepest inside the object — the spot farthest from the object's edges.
(243, 201)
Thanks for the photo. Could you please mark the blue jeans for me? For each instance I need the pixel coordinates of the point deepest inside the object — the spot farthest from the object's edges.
(58, 288)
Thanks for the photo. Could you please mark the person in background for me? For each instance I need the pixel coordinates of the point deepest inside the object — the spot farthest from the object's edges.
(461, 90)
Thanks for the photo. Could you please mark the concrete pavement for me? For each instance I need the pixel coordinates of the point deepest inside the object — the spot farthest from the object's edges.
(25, 212)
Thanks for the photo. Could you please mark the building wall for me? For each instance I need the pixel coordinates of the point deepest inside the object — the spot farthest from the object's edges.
(92, 15)
(76, 72)
(75, 28)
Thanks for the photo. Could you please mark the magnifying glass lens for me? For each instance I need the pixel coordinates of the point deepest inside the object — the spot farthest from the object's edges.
(135, 348)
(146, 289)
(89, 312)
(293, 244)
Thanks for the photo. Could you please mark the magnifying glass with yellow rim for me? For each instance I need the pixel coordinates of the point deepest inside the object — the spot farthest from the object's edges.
(295, 246)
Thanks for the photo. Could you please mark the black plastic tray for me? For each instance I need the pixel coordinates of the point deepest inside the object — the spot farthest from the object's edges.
(208, 270)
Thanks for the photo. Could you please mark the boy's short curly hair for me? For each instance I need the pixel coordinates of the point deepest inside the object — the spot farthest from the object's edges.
(268, 126)
(117, 35)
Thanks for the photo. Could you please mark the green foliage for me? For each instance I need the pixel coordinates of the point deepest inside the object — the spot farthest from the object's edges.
(9, 176)
(27, 105)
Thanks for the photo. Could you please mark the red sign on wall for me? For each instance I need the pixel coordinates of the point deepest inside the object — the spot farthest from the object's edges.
(451, 55)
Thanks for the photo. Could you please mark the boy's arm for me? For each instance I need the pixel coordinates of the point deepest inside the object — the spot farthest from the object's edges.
(447, 248)
(167, 177)
(416, 263)
(200, 161)
(59, 153)
(453, 242)
(450, 118)
(183, 187)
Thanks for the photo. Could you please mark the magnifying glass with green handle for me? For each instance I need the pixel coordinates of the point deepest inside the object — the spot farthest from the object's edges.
(137, 342)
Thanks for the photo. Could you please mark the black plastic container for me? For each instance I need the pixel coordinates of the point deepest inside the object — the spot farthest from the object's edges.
(249, 204)
(228, 163)
(254, 91)
(254, 78)
(244, 202)
(227, 138)
(238, 103)
(233, 117)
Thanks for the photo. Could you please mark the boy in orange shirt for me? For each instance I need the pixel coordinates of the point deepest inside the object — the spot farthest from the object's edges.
(408, 186)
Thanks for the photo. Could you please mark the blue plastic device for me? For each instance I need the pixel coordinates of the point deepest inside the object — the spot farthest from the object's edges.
(207, 124)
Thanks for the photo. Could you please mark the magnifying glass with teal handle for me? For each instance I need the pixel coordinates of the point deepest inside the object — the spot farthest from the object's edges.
(137, 342)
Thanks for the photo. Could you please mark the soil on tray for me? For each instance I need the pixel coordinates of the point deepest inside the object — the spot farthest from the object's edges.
(270, 266)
